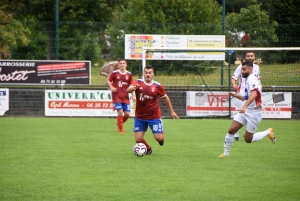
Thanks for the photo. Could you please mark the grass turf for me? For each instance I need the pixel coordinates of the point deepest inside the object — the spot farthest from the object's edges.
(86, 159)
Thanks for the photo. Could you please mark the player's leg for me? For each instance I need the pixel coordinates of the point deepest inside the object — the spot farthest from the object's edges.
(139, 128)
(250, 137)
(253, 119)
(156, 126)
(236, 124)
(237, 136)
(119, 109)
(239, 104)
(126, 110)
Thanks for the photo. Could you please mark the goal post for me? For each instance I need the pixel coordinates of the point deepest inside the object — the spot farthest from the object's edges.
(180, 49)
(203, 78)
(276, 56)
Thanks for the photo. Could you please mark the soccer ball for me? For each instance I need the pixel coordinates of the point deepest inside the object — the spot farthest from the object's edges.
(140, 149)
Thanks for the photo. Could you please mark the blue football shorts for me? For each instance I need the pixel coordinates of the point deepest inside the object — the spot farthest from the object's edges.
(122, 106)
(155, 125)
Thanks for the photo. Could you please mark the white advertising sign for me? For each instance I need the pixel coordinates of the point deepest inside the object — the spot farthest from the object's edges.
(4, 101)
(276, 105)
(80, 103)
(207, 103)
(135, 42)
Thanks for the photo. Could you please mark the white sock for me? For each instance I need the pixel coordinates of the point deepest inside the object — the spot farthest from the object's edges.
(236, 134)
(260, 135)
(227, 144)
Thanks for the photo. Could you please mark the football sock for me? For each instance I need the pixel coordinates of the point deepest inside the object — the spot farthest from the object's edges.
(125, 118)
(120, 120)
(236, 134)
(145, 143)
(260, 135)
(161, 142)
(120, 123)
(227, 144)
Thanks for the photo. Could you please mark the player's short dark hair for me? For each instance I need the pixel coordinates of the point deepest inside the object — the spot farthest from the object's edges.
(149, 67)
(121, 60)
(247, 63)
(250, 51)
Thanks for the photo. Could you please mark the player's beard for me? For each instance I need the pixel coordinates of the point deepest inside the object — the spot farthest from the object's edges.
(251, 60)
(245, 75)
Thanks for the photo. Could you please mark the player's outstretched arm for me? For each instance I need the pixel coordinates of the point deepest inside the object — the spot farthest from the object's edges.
(132, 88)
(168, 103)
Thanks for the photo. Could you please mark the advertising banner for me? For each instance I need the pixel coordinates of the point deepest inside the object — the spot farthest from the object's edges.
(4, 101)
(135, 42)
(207, 104)
(44, 72)
(80, 103)
(276, 105)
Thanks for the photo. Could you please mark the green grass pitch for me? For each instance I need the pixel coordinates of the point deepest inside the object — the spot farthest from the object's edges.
(86, 159)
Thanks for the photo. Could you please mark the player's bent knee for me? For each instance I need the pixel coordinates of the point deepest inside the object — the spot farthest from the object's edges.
(231, 130)
(248, 139)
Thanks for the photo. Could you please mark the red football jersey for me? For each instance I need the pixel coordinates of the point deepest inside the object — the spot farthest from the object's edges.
(121, 82)
(147, 100)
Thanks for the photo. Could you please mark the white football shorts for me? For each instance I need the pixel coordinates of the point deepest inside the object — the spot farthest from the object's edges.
(251, 118)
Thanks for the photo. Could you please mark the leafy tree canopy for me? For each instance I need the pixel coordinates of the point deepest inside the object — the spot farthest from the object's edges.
(254, 21)
(12, 32)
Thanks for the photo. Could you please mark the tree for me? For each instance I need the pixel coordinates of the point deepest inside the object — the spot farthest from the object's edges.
(43, 11)
(173, 16)
(287, 14)
(234, 6)
(193, 17)
(12, 32)
(254, 21)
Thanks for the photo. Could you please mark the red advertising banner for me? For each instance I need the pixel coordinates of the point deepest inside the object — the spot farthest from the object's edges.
(44, 72)
(276, 105)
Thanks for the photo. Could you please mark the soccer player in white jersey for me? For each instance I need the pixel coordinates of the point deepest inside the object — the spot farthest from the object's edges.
(240, 88)
(250, 113)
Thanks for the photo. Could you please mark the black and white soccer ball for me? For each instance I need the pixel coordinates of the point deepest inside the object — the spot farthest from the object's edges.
(139, 149)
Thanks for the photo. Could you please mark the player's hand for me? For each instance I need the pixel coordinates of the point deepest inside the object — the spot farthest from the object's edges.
(231, 93)
(135, 87)
(235, 87)
(113, 89)
(174, 115)
(242, 110)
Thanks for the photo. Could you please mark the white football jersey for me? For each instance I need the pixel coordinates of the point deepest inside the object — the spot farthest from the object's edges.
(238, 76)
(241, 87)
(252, 83)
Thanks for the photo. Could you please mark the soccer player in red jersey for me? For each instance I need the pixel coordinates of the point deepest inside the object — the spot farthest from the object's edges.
(118, 82)
(147, 112)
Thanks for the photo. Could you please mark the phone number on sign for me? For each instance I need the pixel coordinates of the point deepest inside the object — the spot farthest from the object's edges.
(80, 104)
